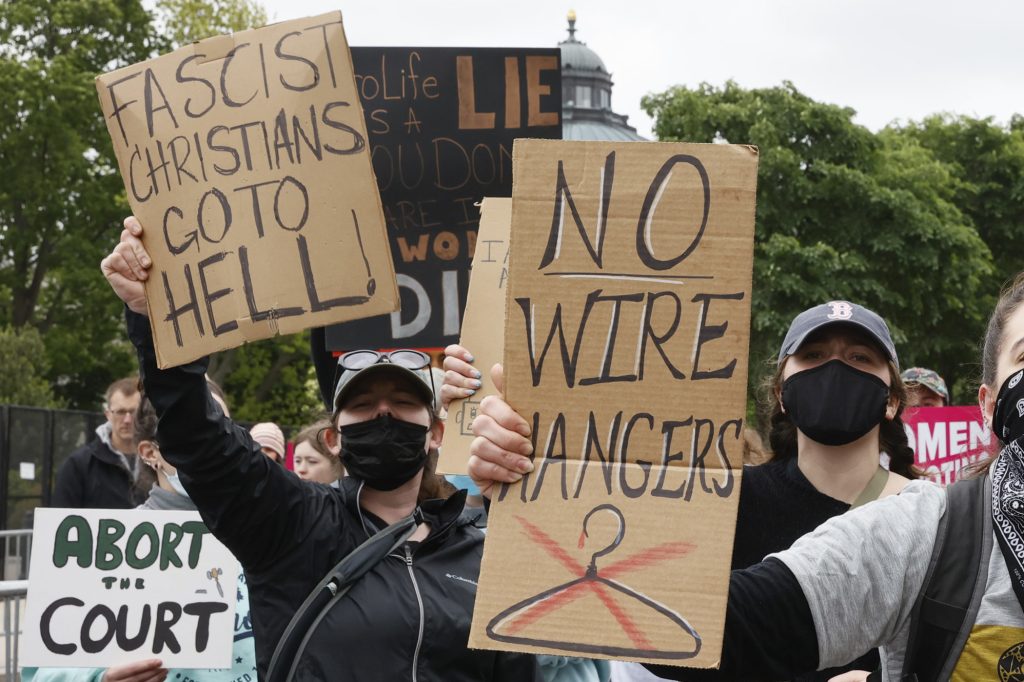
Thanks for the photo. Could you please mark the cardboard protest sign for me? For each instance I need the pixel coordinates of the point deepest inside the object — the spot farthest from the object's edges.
(442, 122)
(115, 586)
(485, 315)
(946, 439)
(245, 158)
(626, 339)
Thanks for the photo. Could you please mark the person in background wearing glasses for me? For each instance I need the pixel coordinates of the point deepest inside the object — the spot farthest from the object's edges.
(101, 474)
(408, 617)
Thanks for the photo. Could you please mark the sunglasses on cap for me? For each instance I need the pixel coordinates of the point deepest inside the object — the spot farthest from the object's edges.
(406, 358)
(403, 357)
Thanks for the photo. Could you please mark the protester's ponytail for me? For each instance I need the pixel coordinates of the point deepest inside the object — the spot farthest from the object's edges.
(1010, 298)
(892, 435)
(432, 485)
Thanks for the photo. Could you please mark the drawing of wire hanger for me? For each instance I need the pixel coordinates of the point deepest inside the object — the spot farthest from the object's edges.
(508, 625)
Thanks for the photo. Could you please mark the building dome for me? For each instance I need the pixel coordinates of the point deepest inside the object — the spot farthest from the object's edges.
(587, 94)
(576, 55)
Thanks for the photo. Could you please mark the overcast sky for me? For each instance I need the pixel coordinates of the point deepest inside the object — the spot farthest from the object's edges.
(889, 60)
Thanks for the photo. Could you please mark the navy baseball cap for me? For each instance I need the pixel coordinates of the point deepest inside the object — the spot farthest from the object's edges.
(838, 312)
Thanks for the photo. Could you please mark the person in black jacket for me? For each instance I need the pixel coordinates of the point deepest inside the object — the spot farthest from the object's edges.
(101, 473)
(408, 618)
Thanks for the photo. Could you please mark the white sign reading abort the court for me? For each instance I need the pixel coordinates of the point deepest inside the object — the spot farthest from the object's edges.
(115, 586)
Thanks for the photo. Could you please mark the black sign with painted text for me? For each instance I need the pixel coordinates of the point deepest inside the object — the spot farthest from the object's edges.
(441, 124)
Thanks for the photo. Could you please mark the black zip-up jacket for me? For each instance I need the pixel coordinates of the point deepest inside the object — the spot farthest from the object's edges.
(93, 477)
(407, 619)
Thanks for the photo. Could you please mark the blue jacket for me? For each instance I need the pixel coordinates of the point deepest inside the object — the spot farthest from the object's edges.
(572, 669)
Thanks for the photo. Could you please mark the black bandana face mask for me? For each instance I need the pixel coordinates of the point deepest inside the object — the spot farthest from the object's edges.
(835, 404)
(1008, 418)
(384, 452)
(1007, 475)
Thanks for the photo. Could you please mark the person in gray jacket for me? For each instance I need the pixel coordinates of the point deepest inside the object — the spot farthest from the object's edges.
(101, 474)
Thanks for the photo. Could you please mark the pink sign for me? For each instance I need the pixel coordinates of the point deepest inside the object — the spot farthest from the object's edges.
(946, 439)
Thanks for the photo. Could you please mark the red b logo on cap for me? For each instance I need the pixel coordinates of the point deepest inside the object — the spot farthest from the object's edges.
(841, 310)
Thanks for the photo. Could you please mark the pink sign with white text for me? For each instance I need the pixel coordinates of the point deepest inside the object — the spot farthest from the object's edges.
(946, 439)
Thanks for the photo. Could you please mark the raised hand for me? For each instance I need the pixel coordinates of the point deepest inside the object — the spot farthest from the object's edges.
(127, 267)
(500, 452)
(461, 379)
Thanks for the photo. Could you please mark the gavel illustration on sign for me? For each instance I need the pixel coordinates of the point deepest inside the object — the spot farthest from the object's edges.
(214, 574)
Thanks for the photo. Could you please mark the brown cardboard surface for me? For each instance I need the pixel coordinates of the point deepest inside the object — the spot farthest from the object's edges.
(245, 158)
(626, 338)
(482, 328)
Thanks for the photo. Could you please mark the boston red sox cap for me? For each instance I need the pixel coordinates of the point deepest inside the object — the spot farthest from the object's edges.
(838, 312)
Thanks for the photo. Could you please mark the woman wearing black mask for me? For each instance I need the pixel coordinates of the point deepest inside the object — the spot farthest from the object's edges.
(835, 401)
(408, 617)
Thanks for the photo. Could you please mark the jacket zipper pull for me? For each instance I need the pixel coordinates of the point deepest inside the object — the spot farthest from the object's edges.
(408, 556)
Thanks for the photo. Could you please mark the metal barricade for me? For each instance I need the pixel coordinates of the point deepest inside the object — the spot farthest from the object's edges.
(17, 551)
(12, 592)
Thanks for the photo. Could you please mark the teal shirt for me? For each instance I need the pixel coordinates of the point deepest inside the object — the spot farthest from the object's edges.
(571, 669)
(243, 656)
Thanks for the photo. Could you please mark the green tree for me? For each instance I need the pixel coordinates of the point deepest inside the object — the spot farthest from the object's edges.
(185, 21)
(23, 368)
(988, 161)
(59, 207)
(271, 380)
(62, 199)
(846, 213)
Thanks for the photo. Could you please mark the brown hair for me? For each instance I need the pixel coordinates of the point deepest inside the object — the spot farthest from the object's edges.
(127, 387)
(314, 435)
(1010, 298)
(892, 435)
(433, 486)
(144, 428)
(754, 452)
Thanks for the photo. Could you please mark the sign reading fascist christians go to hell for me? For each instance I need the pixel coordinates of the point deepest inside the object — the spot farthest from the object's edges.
(626, 333)
(245, 158)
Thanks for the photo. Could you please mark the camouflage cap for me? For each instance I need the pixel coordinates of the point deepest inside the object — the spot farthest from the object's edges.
(928, 378)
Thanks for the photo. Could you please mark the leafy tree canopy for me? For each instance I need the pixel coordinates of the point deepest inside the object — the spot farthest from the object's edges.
(62, 199)
(184, 21)
(271, 380)
(987, 161)
(22, 369)
(846, 213)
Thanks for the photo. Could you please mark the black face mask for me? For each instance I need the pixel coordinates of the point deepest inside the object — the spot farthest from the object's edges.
(384, 452)
(835, 404)
(1008, 418)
